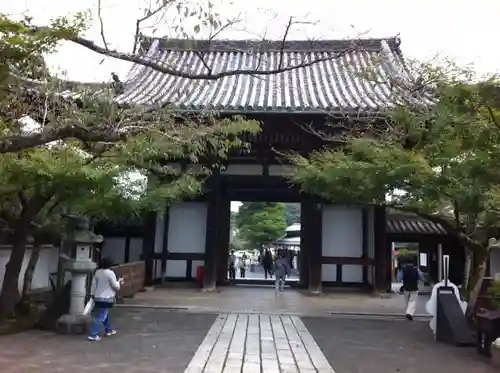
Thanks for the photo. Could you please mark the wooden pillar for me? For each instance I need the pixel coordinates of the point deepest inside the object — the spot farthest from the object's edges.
(223, 237)
(213, 199)
(364, 243)
(382, 251)
(127, 250)
(304, 253)
(164, 252)
(313, 242)
(148, 244)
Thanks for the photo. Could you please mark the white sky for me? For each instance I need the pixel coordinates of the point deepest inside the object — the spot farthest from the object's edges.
(465, 30)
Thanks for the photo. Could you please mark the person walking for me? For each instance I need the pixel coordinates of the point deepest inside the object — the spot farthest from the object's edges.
(411, 277)
(243, 265)
(281, 270)
(267, 263)
(232, 266)
(103, 291)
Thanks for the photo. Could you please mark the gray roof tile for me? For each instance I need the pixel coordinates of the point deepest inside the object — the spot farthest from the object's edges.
(336, 83)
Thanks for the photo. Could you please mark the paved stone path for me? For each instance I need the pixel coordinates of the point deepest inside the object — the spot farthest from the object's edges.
(258, 343)
(262, 300)
(147, 341)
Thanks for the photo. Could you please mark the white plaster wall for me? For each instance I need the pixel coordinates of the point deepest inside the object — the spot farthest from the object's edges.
(113, 248)
(342, 236)
(47, 264)
(352, 273)
(176, 268)
(328, 272)
(159, 231)
(342, 231)
(135, 249)
(495, 262)
(243, 169)
(187, 227)
(187, 231)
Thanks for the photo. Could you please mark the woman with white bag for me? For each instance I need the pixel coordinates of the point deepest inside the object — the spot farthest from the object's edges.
(103, 291)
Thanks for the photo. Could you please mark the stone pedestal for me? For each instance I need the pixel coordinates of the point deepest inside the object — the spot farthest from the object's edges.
(75, 322)
(80, 240)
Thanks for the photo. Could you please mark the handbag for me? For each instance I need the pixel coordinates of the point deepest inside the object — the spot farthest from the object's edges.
(89, 307)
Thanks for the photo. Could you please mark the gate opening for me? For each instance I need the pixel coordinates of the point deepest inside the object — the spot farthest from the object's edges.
(260, 232)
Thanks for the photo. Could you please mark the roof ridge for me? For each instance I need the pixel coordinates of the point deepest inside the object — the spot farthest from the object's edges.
(246, 45)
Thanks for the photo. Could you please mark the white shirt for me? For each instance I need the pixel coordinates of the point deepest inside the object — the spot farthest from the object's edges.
(104, 284)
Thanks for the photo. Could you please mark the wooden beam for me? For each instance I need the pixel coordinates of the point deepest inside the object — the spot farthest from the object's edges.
(179, 256)
(339, 273)
(166, 226)
(223, 234)
(313, 236)
(383, 253)
(148, 247)
(364, 230)
(214, 199)
(127, 250)
(342, 260)
(303, 253)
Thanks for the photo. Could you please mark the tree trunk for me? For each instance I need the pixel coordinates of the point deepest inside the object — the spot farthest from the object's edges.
(476, 280)
(9, 295)
(30, 269)
(467, 268)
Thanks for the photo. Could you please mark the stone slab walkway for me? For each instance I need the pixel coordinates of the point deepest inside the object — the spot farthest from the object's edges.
(258, 344)
(262, 300)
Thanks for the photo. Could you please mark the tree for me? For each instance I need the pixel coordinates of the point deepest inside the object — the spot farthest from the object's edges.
(428, 157)
(101, 167)
(292, 213)
(80, 149)
(31, 41)
(260, 223)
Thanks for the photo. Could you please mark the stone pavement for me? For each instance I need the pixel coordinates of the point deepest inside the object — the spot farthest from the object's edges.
(147, 341)
(262, 300)
(258, 343)
(160, 341)
(387, 346)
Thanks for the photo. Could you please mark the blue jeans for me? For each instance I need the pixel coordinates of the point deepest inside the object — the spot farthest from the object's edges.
(101, 317)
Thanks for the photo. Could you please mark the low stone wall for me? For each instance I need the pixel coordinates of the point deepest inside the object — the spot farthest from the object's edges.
(133, 275)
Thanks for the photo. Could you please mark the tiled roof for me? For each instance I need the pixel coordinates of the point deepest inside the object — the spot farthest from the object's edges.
(400, 224)
(291, 241)
(338, 82)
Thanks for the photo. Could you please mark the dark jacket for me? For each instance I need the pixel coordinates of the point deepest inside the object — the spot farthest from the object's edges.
(411, 277)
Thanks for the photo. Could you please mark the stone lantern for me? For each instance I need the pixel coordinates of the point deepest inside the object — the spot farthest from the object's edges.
(80, 241)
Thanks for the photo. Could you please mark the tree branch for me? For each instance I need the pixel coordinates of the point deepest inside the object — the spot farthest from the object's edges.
(14, 144)
(183, 74)
(22, 199)
(103, 37)
(150, 13)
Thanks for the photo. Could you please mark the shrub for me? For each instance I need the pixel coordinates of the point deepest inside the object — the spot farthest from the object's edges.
(494, 292)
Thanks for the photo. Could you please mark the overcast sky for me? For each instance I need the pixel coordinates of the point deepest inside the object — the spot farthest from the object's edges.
(463, 30)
